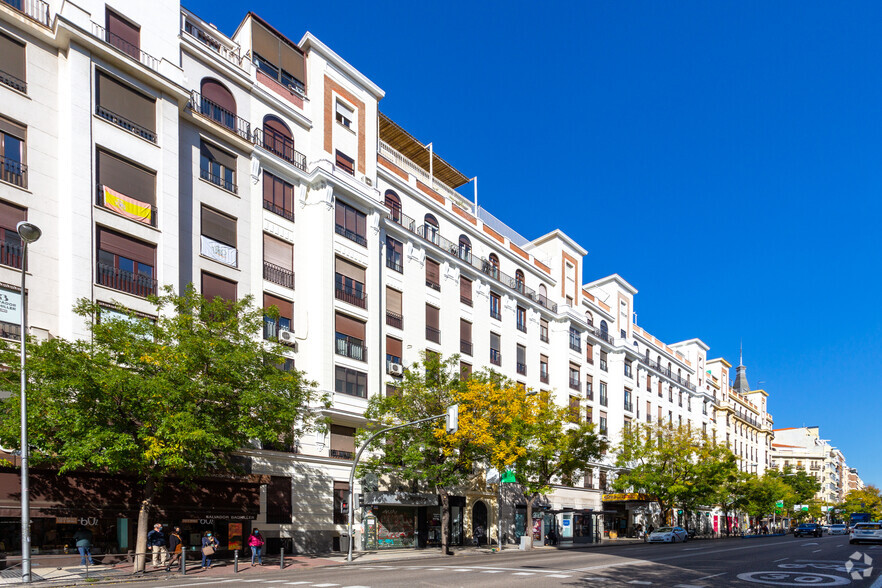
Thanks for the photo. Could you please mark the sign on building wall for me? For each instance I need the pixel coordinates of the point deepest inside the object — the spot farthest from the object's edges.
(10, 306)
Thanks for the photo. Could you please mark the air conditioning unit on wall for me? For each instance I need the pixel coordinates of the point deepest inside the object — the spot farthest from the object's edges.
(287, 337)
(396, 369)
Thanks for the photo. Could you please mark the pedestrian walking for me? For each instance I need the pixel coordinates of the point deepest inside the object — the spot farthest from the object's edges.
(552, 536)
(256, 543)
(83, 538)
(209, 546)
(175, 546)
(156, 543)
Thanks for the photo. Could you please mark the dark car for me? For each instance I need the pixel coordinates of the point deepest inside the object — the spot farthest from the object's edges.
(808, 530)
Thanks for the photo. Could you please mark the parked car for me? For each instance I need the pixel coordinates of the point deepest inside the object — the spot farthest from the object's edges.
(808, 530)
(825, 529)
(838, 529)
(668, 535)
(868, 532)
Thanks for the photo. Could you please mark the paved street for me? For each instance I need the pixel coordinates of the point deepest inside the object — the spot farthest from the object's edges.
(774, 561)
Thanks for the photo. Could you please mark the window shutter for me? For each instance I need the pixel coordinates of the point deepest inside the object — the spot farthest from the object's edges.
(278, 252)
(431, 316)
(278, 500)
(590, 352)
(129, 33)
(213, 286)
(349, 326)
(126, 178)
(218, 227)
(494, 341)
(433, 271)
(393, 346)
(286, 308)
(120, 99)
(343, 439)
(465, 288)
(294, 62)
(217, 154)
(465, 330)
(11, 215)
(216, 92)
(522, 354)
(350, 270)
(393, 300)
(12, 58)
(127, 247)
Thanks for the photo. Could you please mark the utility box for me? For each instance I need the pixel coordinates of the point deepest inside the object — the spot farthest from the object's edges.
(526, 543)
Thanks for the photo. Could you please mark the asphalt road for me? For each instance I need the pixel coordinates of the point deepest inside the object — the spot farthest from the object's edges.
(773, 561)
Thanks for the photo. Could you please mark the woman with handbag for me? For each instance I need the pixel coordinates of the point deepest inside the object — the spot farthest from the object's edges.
(176, 546)
(209, 546)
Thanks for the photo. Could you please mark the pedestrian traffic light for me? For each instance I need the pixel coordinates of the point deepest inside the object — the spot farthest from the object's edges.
(679, 512)
(344, 507)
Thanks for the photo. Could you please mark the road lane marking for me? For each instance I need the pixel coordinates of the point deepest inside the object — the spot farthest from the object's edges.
(817, 551)
(662, 559)
(296, 583)
(711, 576)
(641, 582)
(558, 576)
(188, 584)
(694, 548)
(324, 585)
(782, 559)
(517, 569)
(524, 574)
(491, 572)
(877, 583)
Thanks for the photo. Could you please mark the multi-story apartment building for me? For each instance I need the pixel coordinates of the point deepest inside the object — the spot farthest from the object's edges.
(154, 150)
(854, 481)
(801, 448)
(743, 421)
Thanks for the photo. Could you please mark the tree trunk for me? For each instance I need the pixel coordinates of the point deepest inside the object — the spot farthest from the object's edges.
(143, 524)
(726, 514)
(445, 521)
(528, 532)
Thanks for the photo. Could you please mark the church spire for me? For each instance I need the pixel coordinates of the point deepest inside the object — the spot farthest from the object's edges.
(741, 386)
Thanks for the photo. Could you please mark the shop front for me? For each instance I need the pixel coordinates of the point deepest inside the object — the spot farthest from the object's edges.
(396, 520)
(628, 514)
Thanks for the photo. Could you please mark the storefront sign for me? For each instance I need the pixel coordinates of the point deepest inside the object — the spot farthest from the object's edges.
(626, 497)
(10, 306)
(401, 498)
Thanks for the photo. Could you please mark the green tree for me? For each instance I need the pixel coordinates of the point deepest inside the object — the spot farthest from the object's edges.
(865, 500)
(803, 486)
(170, 398)
(762, 492)
(731, 494)
(421, 452)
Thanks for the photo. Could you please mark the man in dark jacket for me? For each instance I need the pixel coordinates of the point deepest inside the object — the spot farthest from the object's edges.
(83, 538)
(156, 543)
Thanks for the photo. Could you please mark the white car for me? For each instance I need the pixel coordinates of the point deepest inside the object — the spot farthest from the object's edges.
(668, 535)
(871, 532)
(838, 530)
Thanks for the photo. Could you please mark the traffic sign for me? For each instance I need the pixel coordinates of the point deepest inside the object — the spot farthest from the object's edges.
(779, 504)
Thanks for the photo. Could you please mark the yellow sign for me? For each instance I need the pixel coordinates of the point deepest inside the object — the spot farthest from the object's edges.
(626, 497)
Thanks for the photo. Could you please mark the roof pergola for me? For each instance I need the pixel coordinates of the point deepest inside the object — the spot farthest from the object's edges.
(408, 146)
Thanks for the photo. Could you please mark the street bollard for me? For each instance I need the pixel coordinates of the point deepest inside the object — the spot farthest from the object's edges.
(183, 561)
(236, 561)
(282, 559)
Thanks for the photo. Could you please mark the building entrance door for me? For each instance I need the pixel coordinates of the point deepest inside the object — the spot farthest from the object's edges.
(479, 523)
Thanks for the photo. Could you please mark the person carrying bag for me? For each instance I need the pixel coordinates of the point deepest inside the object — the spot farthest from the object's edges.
(209, 547)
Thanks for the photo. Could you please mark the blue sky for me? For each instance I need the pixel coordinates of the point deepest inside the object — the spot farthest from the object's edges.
(723, 157)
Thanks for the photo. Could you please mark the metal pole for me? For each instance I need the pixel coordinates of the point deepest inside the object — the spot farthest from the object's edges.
(235, 561)
(355, 463)
(282, 558)
(25, 492)
(499, 513)
(183, 560)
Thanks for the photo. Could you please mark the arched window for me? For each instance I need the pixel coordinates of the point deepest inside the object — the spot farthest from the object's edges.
(494, 266)
(277, 138)
(519, 281)
(465, 248)
(393, 203)
(604, 328)
(430, 228)
(543, 295)
(218, 103)
(647, 355)
(589, 318)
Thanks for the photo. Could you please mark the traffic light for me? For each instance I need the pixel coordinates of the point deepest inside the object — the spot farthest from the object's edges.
(344, 507)
(679, 512)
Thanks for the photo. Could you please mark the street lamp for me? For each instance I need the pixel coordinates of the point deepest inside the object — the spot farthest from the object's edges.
(29, 233)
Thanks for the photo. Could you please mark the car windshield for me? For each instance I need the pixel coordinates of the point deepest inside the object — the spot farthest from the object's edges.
(664, 530)
(808, 525)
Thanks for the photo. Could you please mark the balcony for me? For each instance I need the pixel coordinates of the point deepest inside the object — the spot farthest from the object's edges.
(13, 172)
(224, 183)
(543, 334)
(394, 264)
(354, 296)
(522, 327)
(351, 235)
(273, 208)
(394, 319)
(575, 343)
(278, 275)
(575, 384)
(220, 115)
(280, 146)
(628, 370)
(465, 347)
(543, 377)
(131, 208)
(521, 368)
(124, 123)
(13, 82)
(495, 357)
(220, 252)
(209, 40)
(36, 10)
(604, 400)
(433, 334)
(10, 253)
(603, 365)
(602, 335)
(465, 300)
(350, 347)
(125, 281)
(124, 46)
(629, 406)
(495, 314)
(433, 285)
(341, 454)
(589, 391)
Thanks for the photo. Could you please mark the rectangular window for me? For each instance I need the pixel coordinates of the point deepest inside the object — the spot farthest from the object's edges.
(278, 58)
(627, 369)
(522, 360)
(604, 397)
(433, 274)
(433, 332)
(393, 351)
(465, 370)
(272, 326)
(495, 306)
(574, 410)
(341, 497)
(603, 364)
(495, 353)
(217, 166)
(603, 431)
(217, 287)
(575, 377)
(344, 114)
(648, 382)
(575, 339)
(465, 291)
(342, 442)
(659, 388)
(219, 237)
(629, 406)
(589, 415)
(543, 330)
(10, 241)
(278, 196)
(394, 255)
(126, 189)
(393, 308)
(350, 223)
(346, 163)
(350, 381)
(589, 353)
(589, 387)
(659, 414)
(278, 261)
(12, 63)
(522, 319)
(278, 493)
(125, 107)
(124, 34)
(349, 337)
(465, 337)
(349, 283)
(589, 477)
(648, 412)
(125, 264)
(543, 369)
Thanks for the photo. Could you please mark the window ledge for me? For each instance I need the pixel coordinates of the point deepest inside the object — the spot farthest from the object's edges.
(350, 129)
(16, 186)
(118, 215)
(16, 91)
(221, 188)
(130, 133)
(232, 267)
